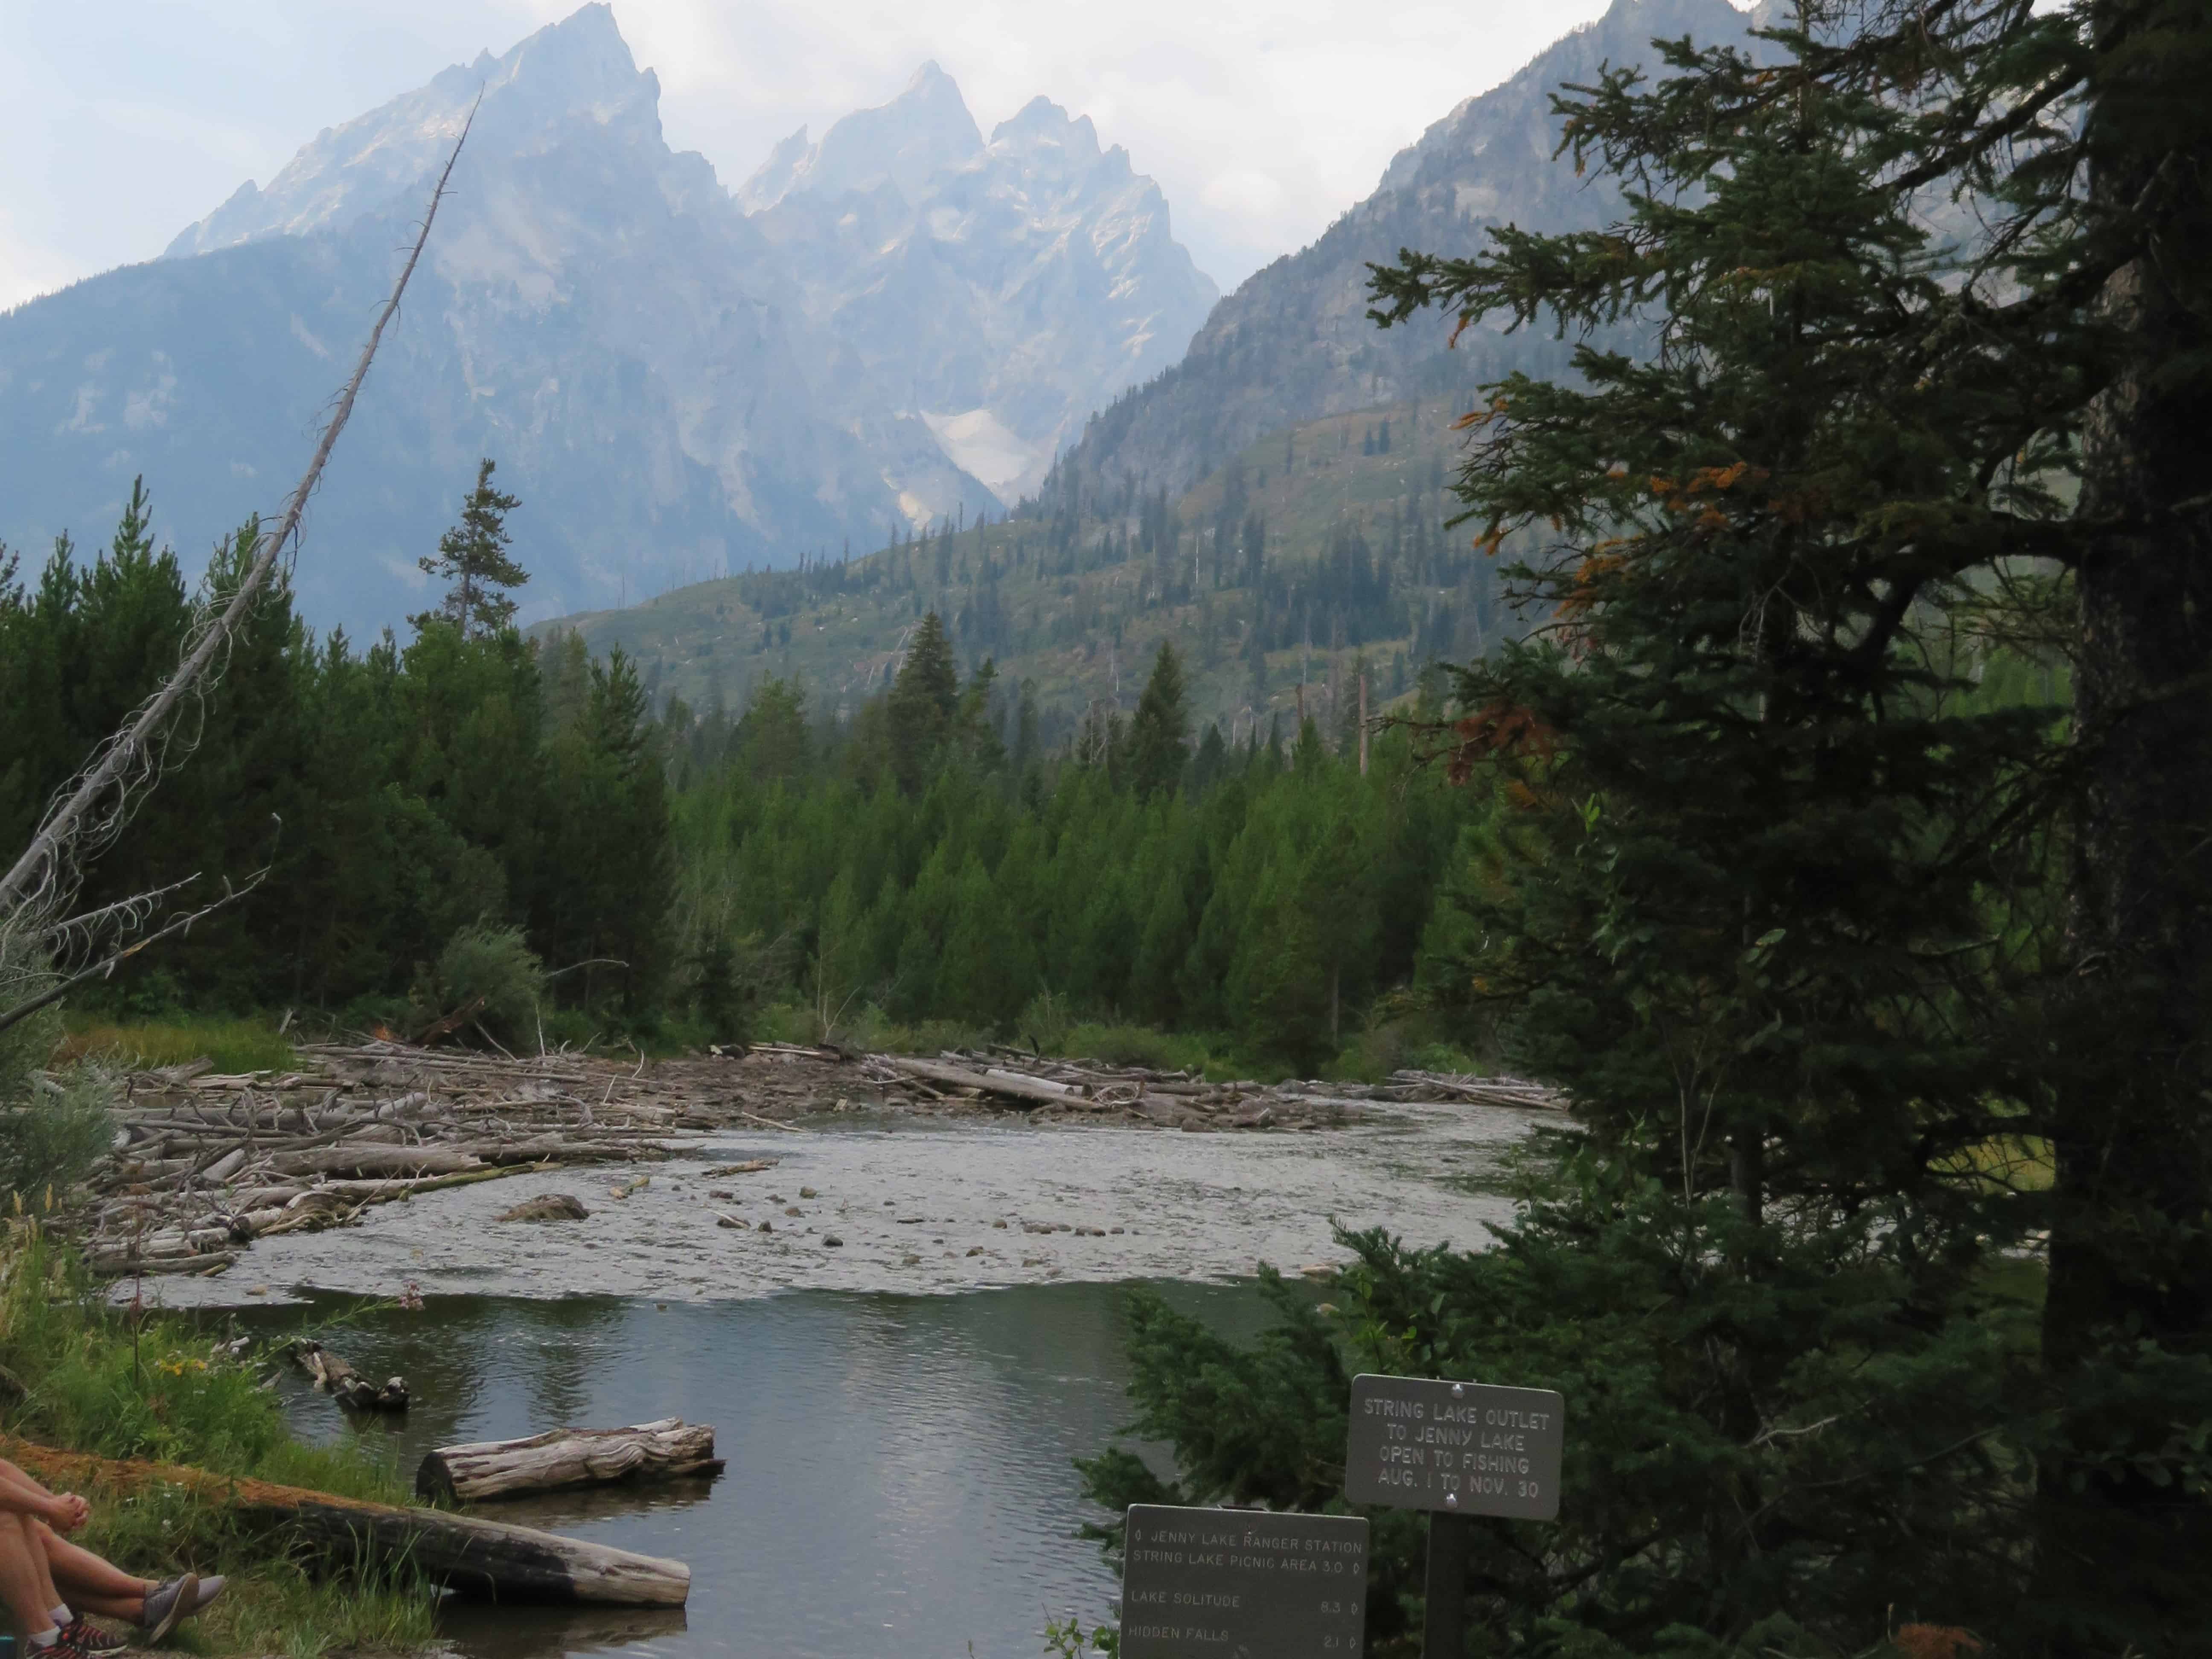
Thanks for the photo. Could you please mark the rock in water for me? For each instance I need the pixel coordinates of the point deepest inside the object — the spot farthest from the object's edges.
(548, 1206)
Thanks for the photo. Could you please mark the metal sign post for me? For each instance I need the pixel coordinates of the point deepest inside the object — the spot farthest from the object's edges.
(1457, 1449)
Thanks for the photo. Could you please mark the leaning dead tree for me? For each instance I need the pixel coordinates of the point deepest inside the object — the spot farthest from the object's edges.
(93, 809)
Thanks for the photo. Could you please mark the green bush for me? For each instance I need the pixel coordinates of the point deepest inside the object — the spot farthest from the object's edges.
(491, 964)
(52, 1133)
(1135, 1045)
(53, 1125)
(1045, 1023)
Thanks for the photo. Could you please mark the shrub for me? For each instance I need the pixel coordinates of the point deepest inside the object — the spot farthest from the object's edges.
(50, 1133)
(492, 964)
(1045, 1023)
(1135, 1045)
(51, 1126)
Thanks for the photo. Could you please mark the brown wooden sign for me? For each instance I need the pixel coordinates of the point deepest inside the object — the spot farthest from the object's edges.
(1242, 1584)
(1462, 1447)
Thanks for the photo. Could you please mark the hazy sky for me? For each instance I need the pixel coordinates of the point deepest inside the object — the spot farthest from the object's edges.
(124, 120)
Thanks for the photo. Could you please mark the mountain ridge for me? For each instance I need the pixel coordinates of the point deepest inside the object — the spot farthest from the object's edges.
(1293, 343)
(681, 382)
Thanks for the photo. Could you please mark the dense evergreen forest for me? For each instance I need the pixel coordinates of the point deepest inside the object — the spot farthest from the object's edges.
(687, 874)
(383, 798)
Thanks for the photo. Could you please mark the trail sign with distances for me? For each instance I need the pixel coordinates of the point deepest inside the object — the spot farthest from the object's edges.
(1461, 1448)
(1242, 1584)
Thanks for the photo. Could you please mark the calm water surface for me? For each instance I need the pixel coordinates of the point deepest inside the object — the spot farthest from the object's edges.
(898, 1480)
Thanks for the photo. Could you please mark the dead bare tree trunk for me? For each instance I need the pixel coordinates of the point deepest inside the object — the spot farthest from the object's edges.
(39, 886)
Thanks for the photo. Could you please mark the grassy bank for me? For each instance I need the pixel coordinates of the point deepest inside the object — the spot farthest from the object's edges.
(95, 1380)
(250, 1044)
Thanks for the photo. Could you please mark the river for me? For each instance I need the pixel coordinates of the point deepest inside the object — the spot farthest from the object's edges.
(898, 1410)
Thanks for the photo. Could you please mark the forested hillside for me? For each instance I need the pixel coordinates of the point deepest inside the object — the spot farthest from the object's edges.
(1315, 556)
(394, 795)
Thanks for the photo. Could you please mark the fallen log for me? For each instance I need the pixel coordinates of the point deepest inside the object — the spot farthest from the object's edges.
(375, 1160)
(122, 1265)
(669, 1450)
(466, 1555)
(1031, 1090)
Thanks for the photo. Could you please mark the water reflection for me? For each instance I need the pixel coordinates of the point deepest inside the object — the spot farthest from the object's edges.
(898, 1472)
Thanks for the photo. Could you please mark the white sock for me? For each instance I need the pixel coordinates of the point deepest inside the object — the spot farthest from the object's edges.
(61, 1615)
(42, 1639)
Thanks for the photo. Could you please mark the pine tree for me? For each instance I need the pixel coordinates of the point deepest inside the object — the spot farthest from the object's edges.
(1159, 735)
(473, 561)
(922, 704)
(1775, 896)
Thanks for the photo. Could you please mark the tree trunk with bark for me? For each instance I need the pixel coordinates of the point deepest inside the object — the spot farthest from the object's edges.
(2130, 1257)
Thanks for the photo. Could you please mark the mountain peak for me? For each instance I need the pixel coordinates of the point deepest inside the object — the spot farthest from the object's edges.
(925, 132)
(1040, 121)
(577, 69)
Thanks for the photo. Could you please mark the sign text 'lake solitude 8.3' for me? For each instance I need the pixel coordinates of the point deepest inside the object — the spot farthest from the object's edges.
(1242, 1584)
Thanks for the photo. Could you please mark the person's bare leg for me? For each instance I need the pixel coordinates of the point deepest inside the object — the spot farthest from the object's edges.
(87, 1580)
(46, 1586)
(25, 1587)
(132, 1609)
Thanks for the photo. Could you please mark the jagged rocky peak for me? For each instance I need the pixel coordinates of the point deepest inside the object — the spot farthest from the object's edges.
(578, 69)
(1041, 124)
(919, 137)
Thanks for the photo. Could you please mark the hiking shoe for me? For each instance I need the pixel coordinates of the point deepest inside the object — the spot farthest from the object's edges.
(80, 1638)
(179, 1598)
(167, 1603)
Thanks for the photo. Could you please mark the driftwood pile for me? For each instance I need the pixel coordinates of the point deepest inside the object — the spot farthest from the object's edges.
(203, 1164)
(1182, 1099)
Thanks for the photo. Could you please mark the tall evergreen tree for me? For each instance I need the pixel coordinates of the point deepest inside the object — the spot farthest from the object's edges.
(1777, 902)
(923, 702)
(473, 562)
(1159, 734)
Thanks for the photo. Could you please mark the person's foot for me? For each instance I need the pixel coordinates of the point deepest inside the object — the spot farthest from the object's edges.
(168, 1602)
(80, 1638)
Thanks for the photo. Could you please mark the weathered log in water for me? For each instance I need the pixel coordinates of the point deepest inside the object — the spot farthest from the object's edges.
(466, 1555)
(345, 1384)
(670, 1450)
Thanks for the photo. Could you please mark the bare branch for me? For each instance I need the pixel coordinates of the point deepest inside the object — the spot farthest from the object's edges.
(55, 993)
(41, 880)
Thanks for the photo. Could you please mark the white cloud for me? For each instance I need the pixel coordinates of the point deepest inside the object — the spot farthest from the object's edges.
(1262, 120)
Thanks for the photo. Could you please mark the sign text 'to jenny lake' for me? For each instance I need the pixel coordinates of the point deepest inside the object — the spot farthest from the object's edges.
(1462, 1447)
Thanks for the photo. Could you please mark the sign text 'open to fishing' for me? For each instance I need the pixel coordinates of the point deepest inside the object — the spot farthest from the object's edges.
(1464, 1448)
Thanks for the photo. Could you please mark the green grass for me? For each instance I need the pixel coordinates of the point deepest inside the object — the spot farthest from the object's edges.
(251, 1044)
(163, 1390)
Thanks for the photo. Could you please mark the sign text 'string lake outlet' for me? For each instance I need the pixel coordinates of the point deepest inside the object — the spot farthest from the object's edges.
(1462, 1447)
